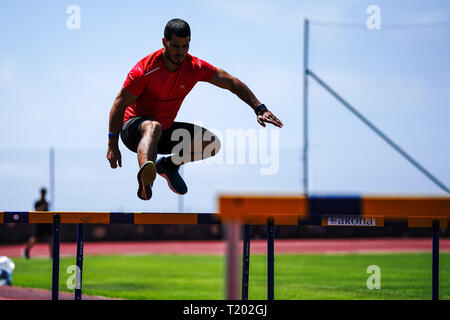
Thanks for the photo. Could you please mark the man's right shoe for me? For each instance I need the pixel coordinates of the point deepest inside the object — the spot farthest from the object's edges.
(169, 171)
(146, 176)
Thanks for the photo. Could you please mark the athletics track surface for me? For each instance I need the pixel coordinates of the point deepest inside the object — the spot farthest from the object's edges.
(219, 247)
(330, 246)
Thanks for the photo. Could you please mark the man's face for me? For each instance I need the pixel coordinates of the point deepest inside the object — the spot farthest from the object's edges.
(176, 49)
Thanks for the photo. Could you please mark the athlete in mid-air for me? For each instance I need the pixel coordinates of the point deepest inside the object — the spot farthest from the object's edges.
(144, 111)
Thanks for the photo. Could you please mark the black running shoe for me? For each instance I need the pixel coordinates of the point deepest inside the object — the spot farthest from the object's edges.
(169, 171)
(146, 176)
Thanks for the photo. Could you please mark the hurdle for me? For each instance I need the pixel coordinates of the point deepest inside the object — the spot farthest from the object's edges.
(337, 211)
(269, 210)
(81, 219)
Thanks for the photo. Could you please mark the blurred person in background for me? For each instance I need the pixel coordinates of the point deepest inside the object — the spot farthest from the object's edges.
(42, 231)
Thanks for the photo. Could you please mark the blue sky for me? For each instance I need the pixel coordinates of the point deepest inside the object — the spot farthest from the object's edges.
(57, 87)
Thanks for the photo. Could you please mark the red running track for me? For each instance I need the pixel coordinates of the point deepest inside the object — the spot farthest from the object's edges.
(330, 246)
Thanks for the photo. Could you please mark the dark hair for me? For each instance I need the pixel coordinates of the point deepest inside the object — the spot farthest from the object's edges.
(178, 27)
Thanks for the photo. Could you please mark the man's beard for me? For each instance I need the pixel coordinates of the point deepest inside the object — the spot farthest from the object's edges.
(176, 62)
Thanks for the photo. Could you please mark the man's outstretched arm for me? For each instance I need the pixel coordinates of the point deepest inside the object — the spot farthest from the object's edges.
(224, 80)
(123, 100)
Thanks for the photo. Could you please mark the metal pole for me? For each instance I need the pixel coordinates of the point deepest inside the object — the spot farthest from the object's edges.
(246, 262)
(52, 179)
(378, 132)
(80, 253)
(233, 233)
(55, 256)
(305, 106)
(270, 260)
(435, 258)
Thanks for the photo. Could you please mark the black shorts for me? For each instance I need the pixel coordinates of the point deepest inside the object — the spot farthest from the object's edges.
(131, 134)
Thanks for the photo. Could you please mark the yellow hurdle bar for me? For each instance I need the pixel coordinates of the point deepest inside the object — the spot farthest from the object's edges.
(418, 211)
(69, 217)
(407, 206)
(165, 218)
(285, 210)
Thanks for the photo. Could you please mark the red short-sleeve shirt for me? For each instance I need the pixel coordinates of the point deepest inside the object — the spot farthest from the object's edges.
(161, 92)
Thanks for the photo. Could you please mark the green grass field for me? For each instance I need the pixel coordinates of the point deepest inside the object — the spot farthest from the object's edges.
(297, 277)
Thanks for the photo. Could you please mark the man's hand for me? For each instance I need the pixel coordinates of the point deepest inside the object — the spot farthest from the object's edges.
(123, 100)
(269, 118)
(113, 154)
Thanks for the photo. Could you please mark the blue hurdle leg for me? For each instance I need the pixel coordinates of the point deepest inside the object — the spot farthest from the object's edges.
(80, 253)
(55, 255)
(435, 258)
(246, 262)
(270, 260)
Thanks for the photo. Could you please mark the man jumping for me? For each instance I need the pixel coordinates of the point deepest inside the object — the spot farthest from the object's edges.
(144, 111)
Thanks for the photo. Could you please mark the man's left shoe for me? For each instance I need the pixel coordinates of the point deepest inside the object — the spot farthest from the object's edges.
(145, 177)
(169, 171)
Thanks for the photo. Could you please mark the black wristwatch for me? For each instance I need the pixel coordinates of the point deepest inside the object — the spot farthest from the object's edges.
(260, 109)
